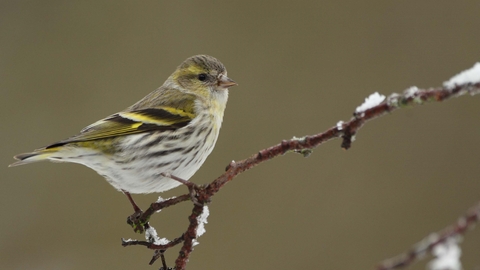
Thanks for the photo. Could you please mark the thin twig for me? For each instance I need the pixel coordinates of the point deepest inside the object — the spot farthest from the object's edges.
(428, 243)
(150, 245)
(347, 131)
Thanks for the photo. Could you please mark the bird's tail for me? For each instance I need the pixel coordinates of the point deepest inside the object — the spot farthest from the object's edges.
(37, 155)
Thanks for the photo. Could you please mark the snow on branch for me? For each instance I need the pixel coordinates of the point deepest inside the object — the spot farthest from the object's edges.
(445, 251)
(370, 102)
(447, 256)
(469, 76)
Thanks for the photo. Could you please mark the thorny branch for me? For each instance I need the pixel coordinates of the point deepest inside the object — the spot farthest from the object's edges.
(346, 131)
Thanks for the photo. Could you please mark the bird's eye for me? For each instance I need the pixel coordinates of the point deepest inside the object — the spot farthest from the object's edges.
(202, 77)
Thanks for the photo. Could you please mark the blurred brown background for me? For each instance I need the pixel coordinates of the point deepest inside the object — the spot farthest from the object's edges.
(301, 67)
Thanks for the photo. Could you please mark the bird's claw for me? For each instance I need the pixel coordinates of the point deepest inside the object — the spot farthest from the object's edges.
(137, 224)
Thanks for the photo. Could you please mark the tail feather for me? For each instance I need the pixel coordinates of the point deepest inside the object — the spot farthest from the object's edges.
(36, 156)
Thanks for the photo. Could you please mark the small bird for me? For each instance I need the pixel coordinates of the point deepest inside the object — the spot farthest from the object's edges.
(171, 131)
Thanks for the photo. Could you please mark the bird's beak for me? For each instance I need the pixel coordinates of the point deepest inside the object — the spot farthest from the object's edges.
(225, 82)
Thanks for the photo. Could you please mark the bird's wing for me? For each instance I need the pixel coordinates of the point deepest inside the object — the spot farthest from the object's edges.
(133, 122)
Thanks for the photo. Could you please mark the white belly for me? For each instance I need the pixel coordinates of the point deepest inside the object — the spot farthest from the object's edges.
(137, 168)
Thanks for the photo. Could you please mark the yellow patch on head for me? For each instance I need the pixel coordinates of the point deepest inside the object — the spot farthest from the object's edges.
(195, 69)
(191, 69)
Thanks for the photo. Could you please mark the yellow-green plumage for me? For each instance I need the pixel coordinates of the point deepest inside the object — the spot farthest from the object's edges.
(171, 130)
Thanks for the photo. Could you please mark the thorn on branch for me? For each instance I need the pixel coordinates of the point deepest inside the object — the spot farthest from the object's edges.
(348, 137)
(231, 165)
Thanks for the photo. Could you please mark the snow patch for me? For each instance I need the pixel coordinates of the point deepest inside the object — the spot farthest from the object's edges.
(471, 75)
(202, 220)
(370, 102)
(447, 256)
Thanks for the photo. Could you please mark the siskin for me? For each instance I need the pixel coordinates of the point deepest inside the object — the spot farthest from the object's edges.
(170, 131)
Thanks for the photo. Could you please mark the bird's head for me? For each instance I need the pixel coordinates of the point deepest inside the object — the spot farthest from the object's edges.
(203, 76)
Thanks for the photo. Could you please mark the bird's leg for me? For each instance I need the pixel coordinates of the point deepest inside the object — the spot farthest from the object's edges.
(133, 220)
(192, 187)
(135, 206)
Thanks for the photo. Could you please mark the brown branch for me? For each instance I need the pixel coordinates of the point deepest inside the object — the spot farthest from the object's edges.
(428, 243)
(347, 130)
(150, 245)
(304, 145)
(190, 236)
(140, 220)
